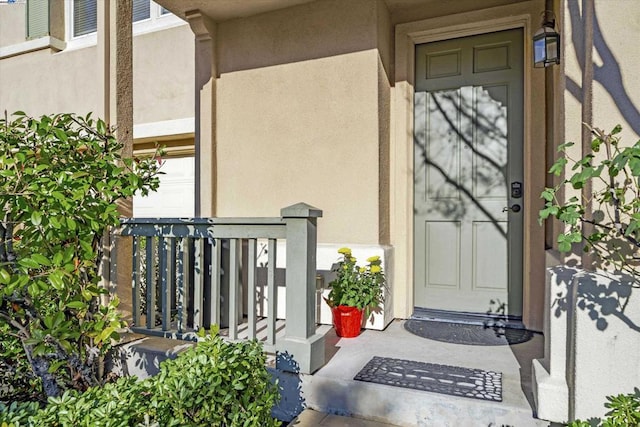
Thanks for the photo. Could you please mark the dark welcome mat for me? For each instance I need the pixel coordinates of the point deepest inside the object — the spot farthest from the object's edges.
(462, 333)
(453, 380)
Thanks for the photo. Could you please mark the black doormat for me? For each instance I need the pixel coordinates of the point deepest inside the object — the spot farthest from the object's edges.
(452, 380)
(462, 333)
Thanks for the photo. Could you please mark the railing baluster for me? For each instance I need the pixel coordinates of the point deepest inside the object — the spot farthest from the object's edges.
(272, 292)
(198, 282)
(151, 282)
(135, 281)
(181, 290)
(113, 266)
(216, 262)
(234, 287)
(251, 289)
(165, 290)
(171, 273)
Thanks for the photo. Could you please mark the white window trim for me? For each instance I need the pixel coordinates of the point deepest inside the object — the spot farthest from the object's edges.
(40, 43)
(156, 22)
(175, 127)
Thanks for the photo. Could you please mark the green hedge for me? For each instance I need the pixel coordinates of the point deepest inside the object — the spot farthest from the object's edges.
(215, 383)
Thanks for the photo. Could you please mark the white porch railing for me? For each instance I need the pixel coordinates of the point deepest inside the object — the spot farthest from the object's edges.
(186, 274)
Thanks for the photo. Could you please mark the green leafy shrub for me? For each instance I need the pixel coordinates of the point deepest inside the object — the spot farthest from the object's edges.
(216, 383)
(17, 380)
(18, 414)
(610, 227)
(624, 412)
(60, 179)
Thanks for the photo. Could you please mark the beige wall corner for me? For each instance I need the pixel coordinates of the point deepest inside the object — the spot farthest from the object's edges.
(206, 94)
(302, 101)
(549, 375)
(573, 380)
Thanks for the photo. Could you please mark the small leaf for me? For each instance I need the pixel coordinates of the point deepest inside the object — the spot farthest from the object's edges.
(28, 262)
(76, 305)
(40, 259)
(564, 247)
(563, 147)
(55, 278)
(36, 218)
(548, 194)
(5, 277)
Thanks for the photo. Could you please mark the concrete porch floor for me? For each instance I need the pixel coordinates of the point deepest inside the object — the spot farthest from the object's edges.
(331, 390)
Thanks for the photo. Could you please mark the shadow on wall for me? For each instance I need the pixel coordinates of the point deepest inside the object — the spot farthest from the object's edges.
(311, 31)
(142, 357)
(601, 295)
(608, 74)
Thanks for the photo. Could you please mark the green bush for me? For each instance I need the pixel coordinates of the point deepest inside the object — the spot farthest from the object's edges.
(216, 383)
(17, 380)
(61, 177)
(624, 412)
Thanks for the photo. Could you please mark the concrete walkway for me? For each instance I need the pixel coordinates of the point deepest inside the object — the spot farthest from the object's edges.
(309, 418)
(332, 389)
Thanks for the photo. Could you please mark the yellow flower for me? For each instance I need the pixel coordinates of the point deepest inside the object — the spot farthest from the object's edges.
(376, 269)
(344, 251)
(362, 269)
(352, 259)
(373, 258)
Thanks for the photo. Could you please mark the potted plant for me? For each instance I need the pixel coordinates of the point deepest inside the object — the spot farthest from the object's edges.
(354, 290)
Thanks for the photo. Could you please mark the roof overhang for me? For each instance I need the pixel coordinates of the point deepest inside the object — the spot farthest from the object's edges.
(224, 10)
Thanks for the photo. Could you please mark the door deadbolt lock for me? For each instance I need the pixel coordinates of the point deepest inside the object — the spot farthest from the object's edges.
(516, 190)
(514, 208)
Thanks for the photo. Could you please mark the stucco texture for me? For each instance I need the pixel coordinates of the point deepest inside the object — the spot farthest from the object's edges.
(12, 19)
(44, 83)
(299, 112)
(616, 88)
(163, 70)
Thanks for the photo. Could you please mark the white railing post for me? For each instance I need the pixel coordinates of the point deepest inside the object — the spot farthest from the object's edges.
(301, 344)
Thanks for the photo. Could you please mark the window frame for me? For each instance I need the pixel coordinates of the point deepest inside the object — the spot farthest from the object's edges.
(71, 20)
(156, 21)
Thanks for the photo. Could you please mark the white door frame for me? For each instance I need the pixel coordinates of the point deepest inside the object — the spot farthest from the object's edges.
(407, 36)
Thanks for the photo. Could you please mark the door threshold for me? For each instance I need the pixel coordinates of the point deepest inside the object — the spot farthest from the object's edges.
(481, 319)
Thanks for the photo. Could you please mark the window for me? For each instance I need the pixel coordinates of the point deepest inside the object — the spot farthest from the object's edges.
(85, 17)
(85, 14)
(37, 19)
(141, 10)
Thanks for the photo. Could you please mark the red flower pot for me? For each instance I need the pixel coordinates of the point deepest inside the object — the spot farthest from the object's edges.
(347, 321)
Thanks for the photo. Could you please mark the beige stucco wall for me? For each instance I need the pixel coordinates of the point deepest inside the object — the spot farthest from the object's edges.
(44, 82)
(300, 102)
(616, 87)
(573, 380)
(163, 73)
(12, 23)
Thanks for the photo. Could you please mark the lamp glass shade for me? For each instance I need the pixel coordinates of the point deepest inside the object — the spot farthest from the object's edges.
(546, 47)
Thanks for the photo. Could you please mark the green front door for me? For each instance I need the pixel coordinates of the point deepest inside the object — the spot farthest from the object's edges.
(468, 201)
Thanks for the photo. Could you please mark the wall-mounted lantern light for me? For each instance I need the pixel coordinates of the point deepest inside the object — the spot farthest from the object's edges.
(546, 42)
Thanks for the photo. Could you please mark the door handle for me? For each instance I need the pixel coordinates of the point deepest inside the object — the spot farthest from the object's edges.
(514, 208)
